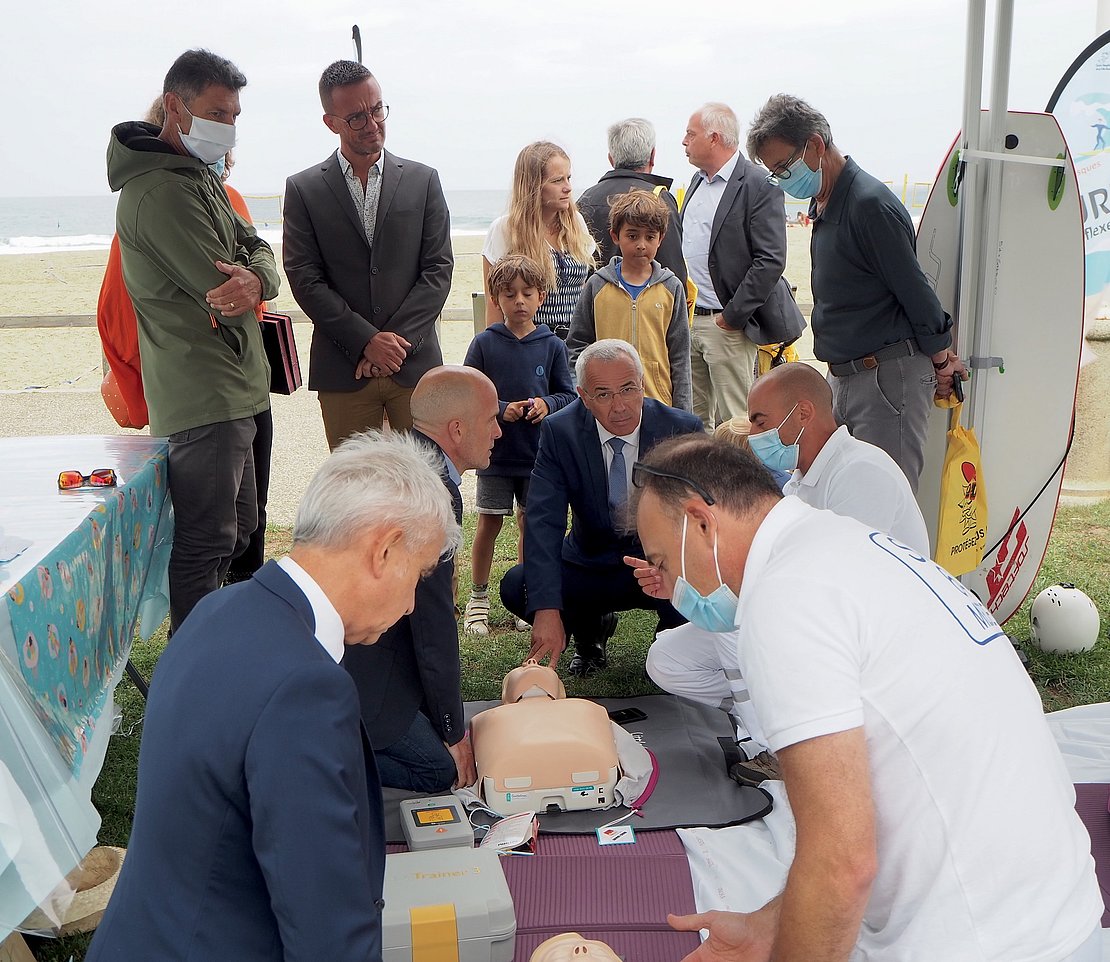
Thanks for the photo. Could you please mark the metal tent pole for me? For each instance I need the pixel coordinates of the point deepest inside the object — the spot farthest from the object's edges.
(970, 185)
(994, 141)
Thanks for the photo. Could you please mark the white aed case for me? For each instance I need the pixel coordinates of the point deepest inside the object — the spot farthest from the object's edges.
(447, 905)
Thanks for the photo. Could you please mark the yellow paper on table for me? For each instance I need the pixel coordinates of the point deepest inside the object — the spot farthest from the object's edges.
(962, 525)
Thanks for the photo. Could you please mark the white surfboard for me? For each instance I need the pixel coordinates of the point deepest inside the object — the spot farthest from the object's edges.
(1023, 405)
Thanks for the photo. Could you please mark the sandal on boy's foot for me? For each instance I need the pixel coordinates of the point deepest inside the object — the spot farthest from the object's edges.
(476, 616)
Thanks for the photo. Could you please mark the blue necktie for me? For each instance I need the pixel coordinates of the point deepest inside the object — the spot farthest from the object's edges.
(618, 479)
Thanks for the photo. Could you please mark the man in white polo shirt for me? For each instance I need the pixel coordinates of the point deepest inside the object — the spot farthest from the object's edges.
(831, 469)
(935, 818)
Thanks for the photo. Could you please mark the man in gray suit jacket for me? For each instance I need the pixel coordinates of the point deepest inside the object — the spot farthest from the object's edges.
(367, 250)
(734, 241)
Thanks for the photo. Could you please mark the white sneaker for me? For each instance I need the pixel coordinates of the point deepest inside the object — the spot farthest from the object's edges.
(522, 625)
(476, 615)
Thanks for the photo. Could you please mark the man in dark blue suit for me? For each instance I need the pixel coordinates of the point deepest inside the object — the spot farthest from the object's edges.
(258, 833)
(409, 682)
(570, 584)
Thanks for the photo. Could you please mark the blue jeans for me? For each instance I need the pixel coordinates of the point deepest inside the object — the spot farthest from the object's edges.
(418, 761)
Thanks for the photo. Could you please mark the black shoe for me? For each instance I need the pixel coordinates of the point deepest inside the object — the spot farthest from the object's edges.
(590, 654)
(586, 663)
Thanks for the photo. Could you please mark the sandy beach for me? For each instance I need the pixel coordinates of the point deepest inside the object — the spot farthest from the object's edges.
(50, 376)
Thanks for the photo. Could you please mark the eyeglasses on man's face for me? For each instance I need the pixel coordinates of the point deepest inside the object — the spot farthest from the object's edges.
(628, 393)
(363, 117)
(782, 171)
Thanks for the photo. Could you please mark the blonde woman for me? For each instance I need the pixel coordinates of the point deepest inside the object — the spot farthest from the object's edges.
(543, 223)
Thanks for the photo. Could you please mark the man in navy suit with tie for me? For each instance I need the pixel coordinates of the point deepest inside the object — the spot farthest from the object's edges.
(258, 833)
(569, 587)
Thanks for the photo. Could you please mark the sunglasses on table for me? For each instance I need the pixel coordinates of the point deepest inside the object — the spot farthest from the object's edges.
(100, 478)
(641, 470)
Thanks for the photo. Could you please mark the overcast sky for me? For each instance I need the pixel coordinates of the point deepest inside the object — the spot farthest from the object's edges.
(471, 81)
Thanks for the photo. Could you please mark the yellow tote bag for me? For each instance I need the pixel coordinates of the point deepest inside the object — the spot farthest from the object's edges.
(962, 526)
(772, 355)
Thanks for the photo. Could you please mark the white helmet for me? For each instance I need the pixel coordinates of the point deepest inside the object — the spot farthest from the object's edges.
(1063, 620)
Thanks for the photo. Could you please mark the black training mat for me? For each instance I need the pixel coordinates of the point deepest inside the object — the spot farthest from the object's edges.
(693, 788)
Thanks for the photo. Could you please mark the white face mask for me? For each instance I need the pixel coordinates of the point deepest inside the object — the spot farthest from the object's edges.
(207, 140)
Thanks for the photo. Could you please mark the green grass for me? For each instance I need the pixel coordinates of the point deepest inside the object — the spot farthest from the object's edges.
(1079, 552)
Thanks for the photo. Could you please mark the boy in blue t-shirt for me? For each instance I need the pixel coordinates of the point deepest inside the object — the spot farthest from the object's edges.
(528, 365)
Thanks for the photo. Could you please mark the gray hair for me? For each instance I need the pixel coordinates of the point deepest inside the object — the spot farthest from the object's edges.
(373, 480)
(631, 143)
(720, 119)
(607, 349)
(788, 119)
(196, 70)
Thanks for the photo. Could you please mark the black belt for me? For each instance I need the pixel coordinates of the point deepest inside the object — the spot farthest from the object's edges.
(871, 361)
(703, 311)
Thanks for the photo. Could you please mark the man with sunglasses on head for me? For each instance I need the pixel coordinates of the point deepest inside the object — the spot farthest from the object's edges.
(934, 816)
(367, 250)
(570, 584)
(876, 321)
(196, 272)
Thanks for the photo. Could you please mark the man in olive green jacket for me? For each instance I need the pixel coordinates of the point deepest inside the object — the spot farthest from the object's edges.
(196, 272)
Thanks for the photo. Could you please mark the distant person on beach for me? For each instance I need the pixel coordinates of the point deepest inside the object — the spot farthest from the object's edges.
(636, 299)
(734, 239)
(196, 274)
(528, 365)
(632, 157)
(123, 385)
(367, 250)
(410, 682)
(876, 321)
(258, 831)
(544, 223)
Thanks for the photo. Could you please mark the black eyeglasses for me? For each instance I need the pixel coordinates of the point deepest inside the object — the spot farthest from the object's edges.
(639, 469)
(362, 118)
(782, 171)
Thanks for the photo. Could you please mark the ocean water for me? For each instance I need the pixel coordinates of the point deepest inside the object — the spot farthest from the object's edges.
(30, 225)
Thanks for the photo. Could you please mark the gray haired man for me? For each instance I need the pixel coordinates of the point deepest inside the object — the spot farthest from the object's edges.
(264, 810)
(734, 239)
(876, 321)
(632, 154)
(195, 272)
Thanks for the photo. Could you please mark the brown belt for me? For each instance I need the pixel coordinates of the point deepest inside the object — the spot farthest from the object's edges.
(871, 361)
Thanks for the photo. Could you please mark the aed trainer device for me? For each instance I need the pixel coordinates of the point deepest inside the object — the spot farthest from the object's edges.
(436, 822)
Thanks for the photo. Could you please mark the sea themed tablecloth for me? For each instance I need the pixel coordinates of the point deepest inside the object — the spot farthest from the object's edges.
(69, 604)
(74, 607)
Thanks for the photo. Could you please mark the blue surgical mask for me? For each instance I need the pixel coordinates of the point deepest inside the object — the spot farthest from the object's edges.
(715, 612)
(768, 447)
(219, 167)
(802, 183)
